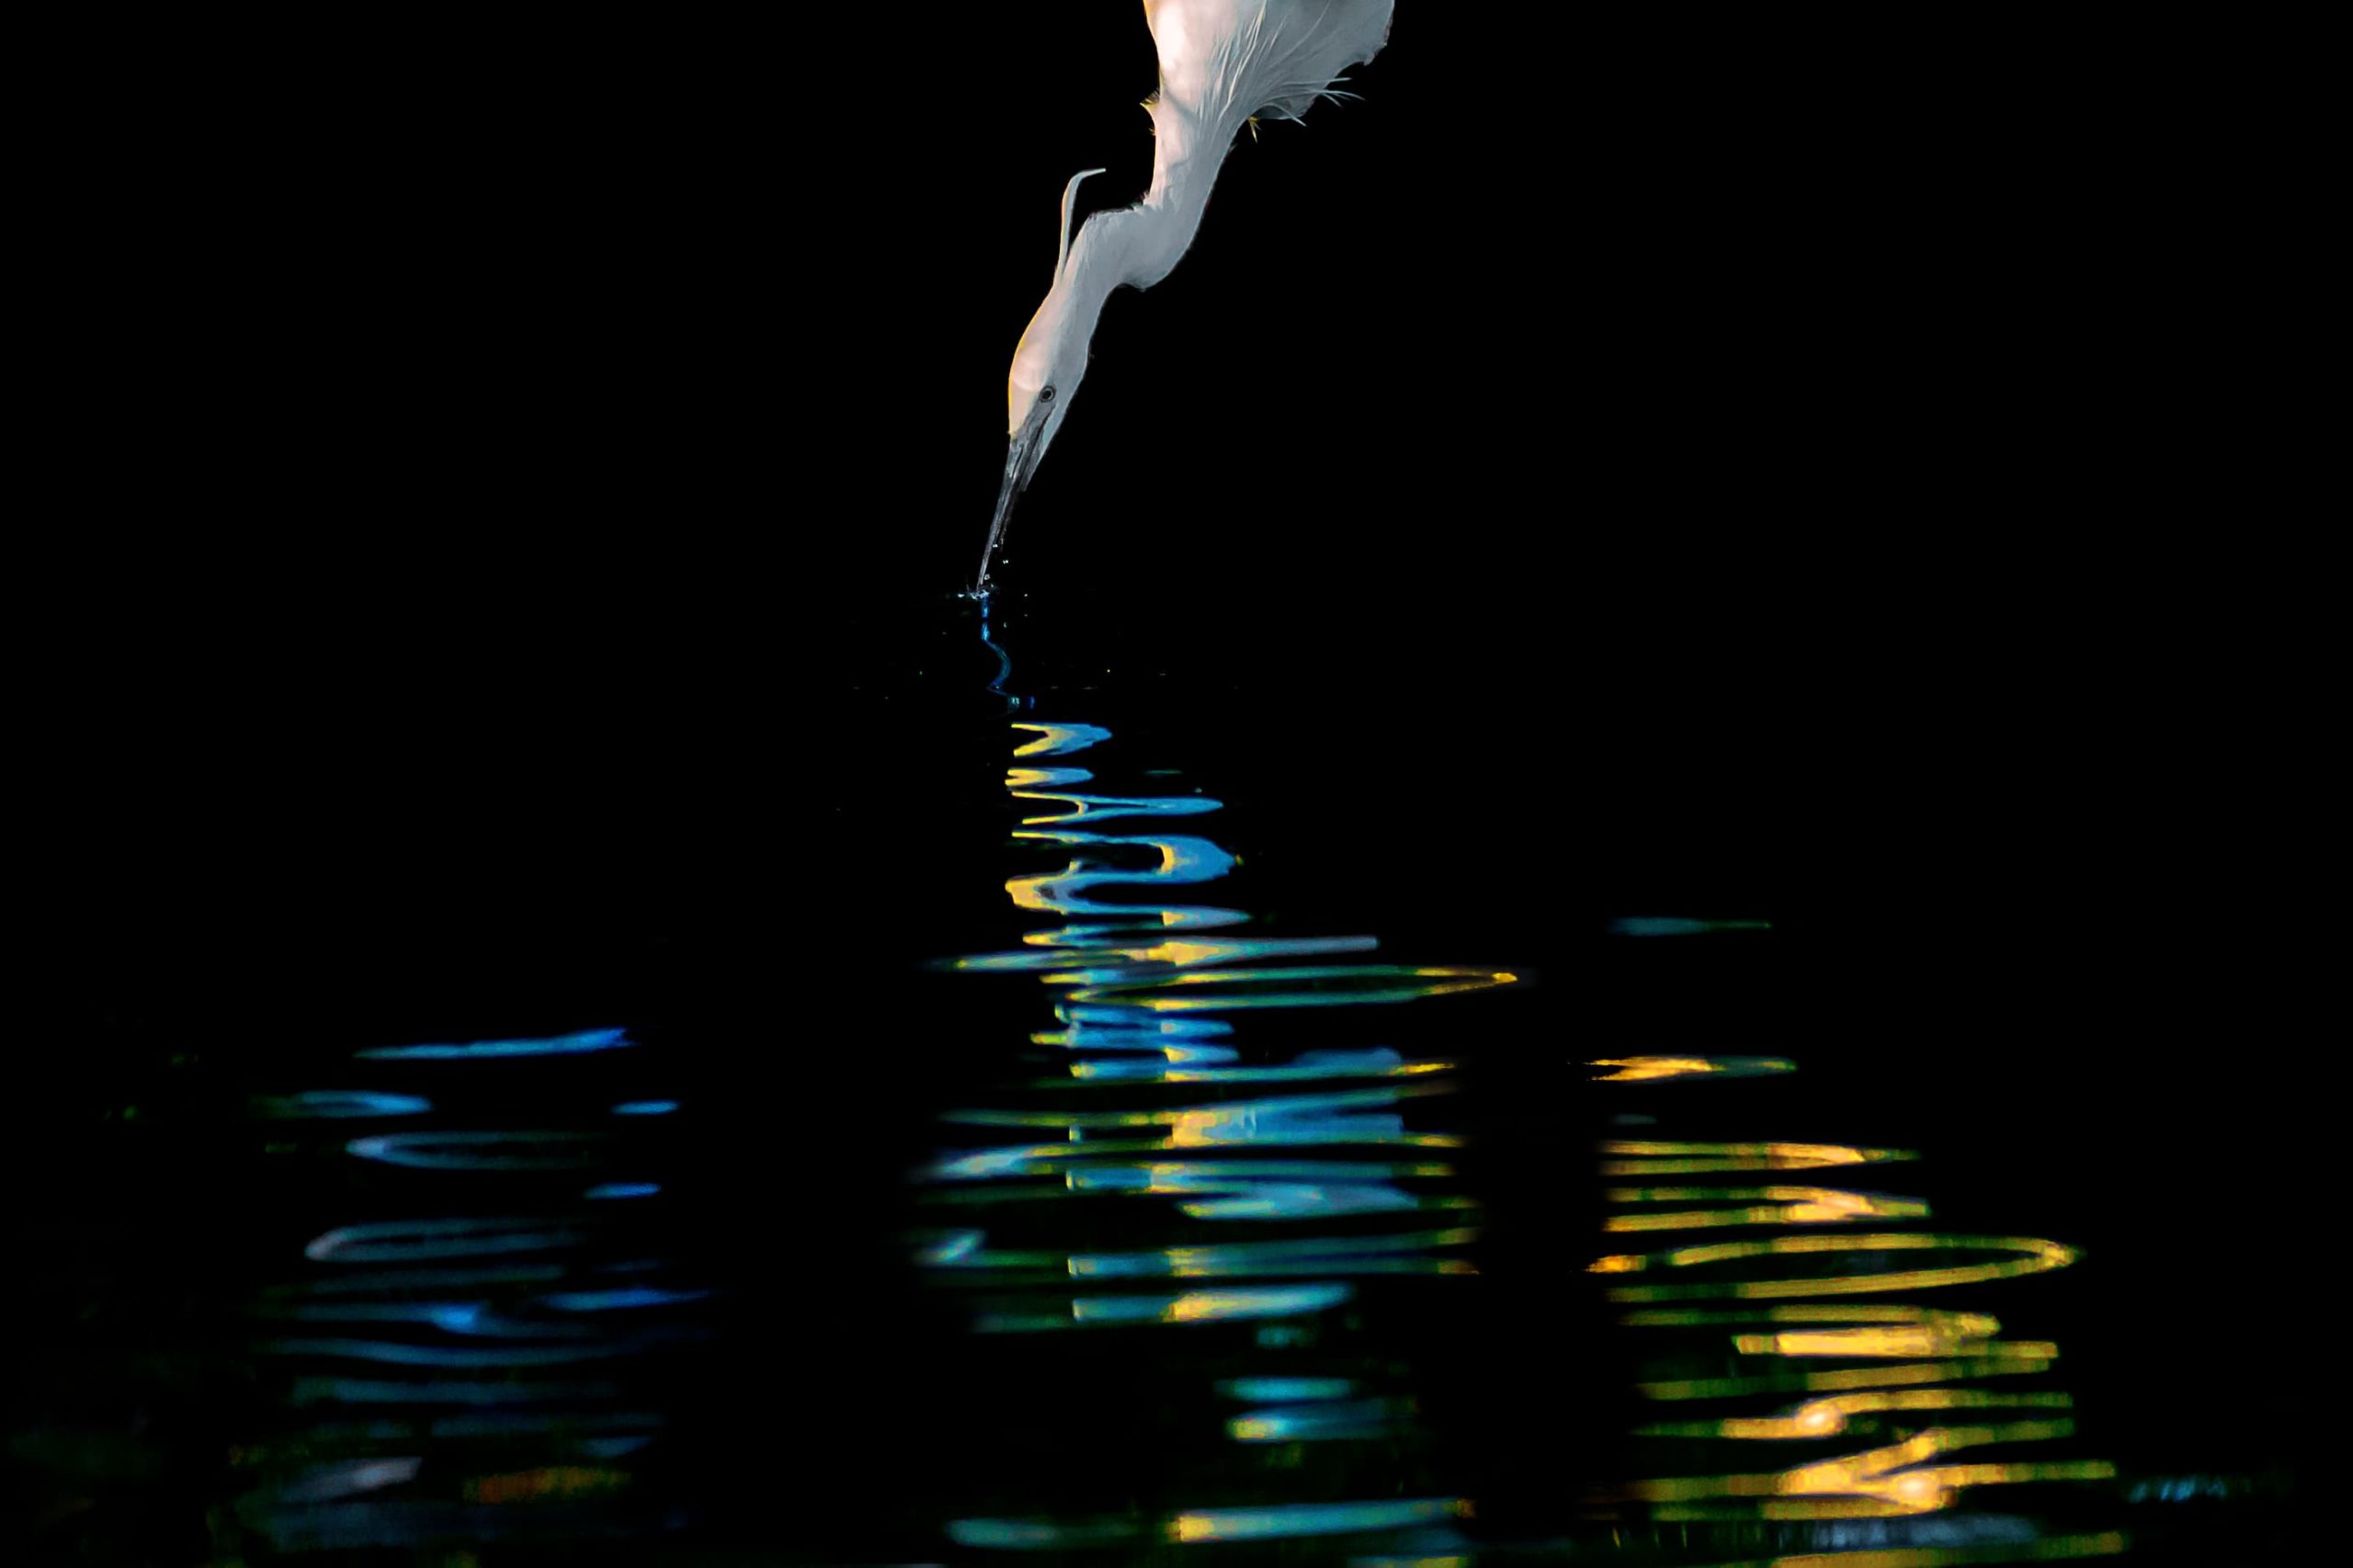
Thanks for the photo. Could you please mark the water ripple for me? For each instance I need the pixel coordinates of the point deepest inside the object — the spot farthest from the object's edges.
(445, 1400)
(1158, 1099)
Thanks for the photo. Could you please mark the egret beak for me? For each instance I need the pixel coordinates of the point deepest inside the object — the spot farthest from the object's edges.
(1020, 456)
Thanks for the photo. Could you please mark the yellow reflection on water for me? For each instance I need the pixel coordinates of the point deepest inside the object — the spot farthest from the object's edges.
(1886, 1476)
(1186, 952)
(1625, 1156)
(1320, 1254)
(1828, 1416)
(2037, 1257)
(1782, 1206)
(1130, 1072)
(1911, 1372)
(1054, 1159)
(1229, 990)
(1908, 1358)
(1303, 1519)
(1055, 739)
(1931, 1340)
(1640, 1069)
(1235, 1120)
(1977, 1324)
(1924, 1372)
(1177, 865)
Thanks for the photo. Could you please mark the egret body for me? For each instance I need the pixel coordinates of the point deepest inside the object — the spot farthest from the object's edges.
(1223, 64)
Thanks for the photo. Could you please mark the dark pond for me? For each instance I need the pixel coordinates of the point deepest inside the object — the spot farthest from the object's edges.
(1124, 1114)
(1619, 882)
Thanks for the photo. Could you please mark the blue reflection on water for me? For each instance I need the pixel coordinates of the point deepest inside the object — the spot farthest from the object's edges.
(1260, 1190)
(489, 1305)
(1313, 1518)
(407, 1354)
(1223, 1305)
(1373, 1063)
(1287, 1389)
(1353, 1420)
(409, 1241)
(617, 1300)
(340, 1104)
(473, 1151)
(1679, 925)
(1143, 977)
(1058, 740)
(1252, 1257)
(365, 1391)
(482, 1050)
(472, 1318)
(1152, 1166)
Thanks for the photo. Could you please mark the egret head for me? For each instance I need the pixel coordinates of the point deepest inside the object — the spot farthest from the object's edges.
(1047, 365)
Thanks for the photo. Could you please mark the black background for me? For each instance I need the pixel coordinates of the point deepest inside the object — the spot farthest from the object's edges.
(513, 481)
(479, 442)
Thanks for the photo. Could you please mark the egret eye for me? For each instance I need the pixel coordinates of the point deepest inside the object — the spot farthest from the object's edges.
(1047, 395)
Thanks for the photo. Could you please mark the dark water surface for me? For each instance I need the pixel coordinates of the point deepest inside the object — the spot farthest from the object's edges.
(1065, 1108)
(578, 1020)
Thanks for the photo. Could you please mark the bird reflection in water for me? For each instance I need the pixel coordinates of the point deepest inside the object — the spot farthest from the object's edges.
(1876, 1422)
(1151, 1107)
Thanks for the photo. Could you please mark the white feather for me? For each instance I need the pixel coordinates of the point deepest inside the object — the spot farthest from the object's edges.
(1222, 62)
(1070, 195)
(1225, 61)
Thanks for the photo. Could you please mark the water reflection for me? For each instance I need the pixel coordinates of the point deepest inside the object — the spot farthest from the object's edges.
(1209, 1184)
(1796, 1398)
(1281, 1522)
(456, 1379)
(1167, 1115)
(2036, 1254)
(1636, 1069)
(1899, 1393)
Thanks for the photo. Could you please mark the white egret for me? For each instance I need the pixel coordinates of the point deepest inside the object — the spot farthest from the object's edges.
(1223, 64)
